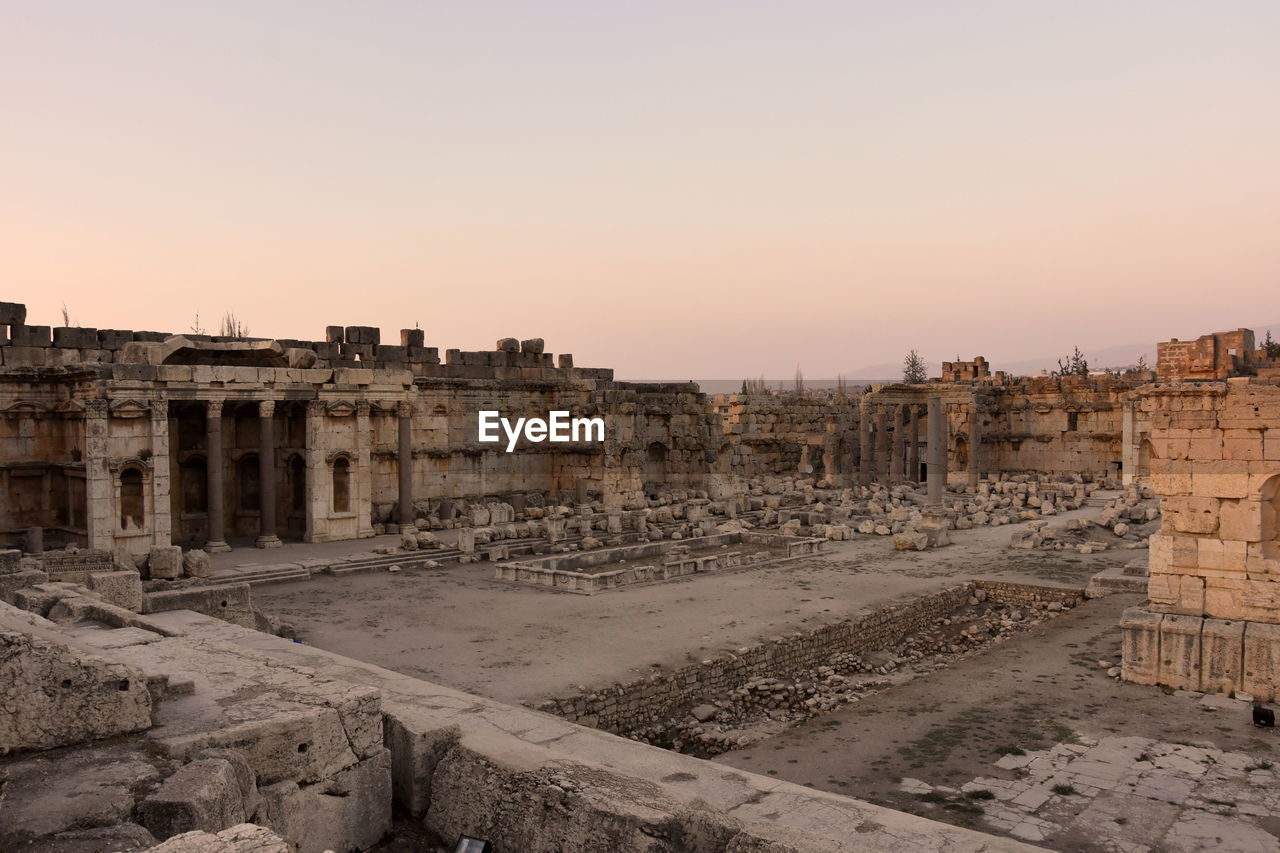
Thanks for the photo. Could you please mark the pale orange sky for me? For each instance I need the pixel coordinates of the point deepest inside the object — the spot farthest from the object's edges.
(723, 190)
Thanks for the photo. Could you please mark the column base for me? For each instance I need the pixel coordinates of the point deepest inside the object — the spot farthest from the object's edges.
(216, 546)
(271, 541)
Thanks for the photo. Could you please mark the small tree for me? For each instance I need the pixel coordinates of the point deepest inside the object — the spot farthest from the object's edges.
(913, 370)
(842, 389)
(799, 382)
(1074, 365)
(1271, 346)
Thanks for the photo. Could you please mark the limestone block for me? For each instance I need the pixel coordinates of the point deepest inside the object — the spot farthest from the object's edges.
(1140, 661)
(350, 810)
(231, 603)
(1221, 655)
(9, 561)
(12, 314)
(11, 584)
(242, 838)
(417, 740)
(123, 589)
(533, 346)
(507, 345)
(1243, 444)
(1189, 514)
(1220, 479)
(53, 696)
(363, 335)
(204, 795)
(412, 337)
(1262, 660)
(165, 562)
(196, 563)
(1160, 552)
(1180, 651)
(1240, 521)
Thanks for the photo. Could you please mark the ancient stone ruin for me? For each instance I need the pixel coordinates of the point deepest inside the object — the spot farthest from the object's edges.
(151, 702)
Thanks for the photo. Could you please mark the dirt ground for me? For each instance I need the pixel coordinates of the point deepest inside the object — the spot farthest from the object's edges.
(457, 626)
(1038, 689)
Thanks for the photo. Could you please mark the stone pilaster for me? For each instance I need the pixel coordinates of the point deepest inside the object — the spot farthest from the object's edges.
(319, 488)
(101, 516)
(362, 493)
(161, 505)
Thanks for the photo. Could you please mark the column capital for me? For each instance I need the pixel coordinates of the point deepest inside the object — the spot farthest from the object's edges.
(362, 408)
(159, 409)
(316, 409)
(404, 409)
(213, 408)
(96, 407)
(266, 408)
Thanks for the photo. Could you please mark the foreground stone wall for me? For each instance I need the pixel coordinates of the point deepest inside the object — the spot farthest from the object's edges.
(1213, 620)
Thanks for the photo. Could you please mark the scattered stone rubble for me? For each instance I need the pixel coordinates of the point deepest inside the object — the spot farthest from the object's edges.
(763, 706)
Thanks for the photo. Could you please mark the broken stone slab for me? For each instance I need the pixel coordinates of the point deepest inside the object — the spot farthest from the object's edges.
(204, 795)
(49, 795)
(350, 810)
(54, 695)
(243, 838)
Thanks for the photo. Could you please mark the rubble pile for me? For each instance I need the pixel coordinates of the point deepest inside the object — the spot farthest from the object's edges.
(764, 705)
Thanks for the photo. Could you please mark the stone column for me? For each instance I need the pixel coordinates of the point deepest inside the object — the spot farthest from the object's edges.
(829, 459)
(975, 442)
(864, 446)
(1128, 450)
(213, 475)
(404, 464)
(882, 446)
(913, 443)
(267, 537)
(895, 460)
(937, 452)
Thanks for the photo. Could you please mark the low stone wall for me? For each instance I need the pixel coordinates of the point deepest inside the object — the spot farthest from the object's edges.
(558, 571)
(231, 603)
(1028, 594)
(625, 707)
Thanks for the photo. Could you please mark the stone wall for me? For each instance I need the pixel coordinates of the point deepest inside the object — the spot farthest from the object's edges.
(1213, 620)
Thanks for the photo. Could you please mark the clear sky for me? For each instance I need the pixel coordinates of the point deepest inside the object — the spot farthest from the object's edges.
(672, 189)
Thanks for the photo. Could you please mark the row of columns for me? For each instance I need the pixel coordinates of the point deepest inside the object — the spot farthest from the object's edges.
(891, 460)
(268, 536)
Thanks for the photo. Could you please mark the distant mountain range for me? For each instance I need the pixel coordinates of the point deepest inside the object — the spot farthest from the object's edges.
(1115, 357)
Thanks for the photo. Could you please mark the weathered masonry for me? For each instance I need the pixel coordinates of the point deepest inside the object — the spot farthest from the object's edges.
(122, 439)
(1213, 621)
